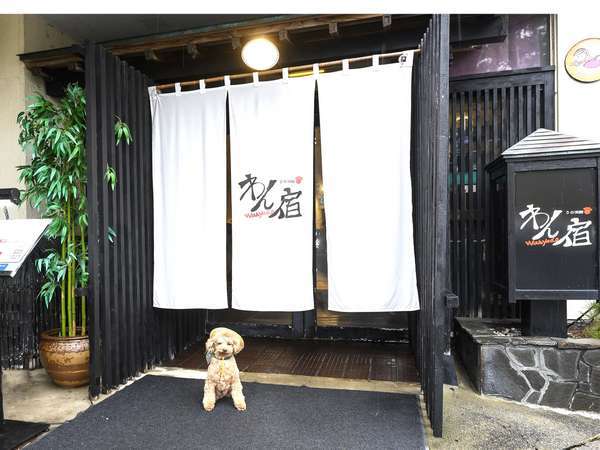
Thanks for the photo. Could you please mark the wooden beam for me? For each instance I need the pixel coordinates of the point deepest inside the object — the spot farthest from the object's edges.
(243, 31)
(302, 68)
(219, 60)
(63, 61)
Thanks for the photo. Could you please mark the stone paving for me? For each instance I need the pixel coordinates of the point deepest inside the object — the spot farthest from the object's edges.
(473, 421)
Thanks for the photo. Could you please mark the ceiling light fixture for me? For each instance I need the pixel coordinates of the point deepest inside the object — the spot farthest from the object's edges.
(260, 54)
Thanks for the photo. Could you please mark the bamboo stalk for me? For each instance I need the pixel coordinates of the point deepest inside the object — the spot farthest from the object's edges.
(83, 298)
(63, 312)
(65, 258)
(73, 278)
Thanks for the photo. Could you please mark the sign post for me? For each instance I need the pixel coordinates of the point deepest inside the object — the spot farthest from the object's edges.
(544, 216)
(17, 239)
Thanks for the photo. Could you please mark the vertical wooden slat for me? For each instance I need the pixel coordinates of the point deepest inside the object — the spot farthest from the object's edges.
(130, 158)
(453, 143)
(142, 105)
(538, 109)
(505, 142)
(124, 179)
(138, 221)
(520, 91)
(548, 89)
(119, 226)
(529, 107)
(151, 347)
(456, 188)
(488, 139)
(460, 198)
(112, 293)
(466, 176)
(441, 70)
(108, 380)
(477, 219)
(91, 82)
(513, 111)
(464, 150)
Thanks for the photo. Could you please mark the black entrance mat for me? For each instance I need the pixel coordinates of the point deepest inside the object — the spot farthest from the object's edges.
(165, 412)
(14, 432)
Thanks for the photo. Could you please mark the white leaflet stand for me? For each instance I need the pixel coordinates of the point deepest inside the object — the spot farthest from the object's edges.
(18, 238)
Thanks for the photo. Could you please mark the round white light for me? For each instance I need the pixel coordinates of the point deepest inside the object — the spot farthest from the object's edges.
(260, 54)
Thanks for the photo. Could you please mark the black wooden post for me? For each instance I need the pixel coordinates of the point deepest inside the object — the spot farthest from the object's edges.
(544, 318)
(429, 159)
(92, 136)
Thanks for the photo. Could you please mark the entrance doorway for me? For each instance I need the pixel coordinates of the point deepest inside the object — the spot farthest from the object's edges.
(128, 335)
(320, 322)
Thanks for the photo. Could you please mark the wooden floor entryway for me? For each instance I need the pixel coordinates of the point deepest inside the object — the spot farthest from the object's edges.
(350, 360)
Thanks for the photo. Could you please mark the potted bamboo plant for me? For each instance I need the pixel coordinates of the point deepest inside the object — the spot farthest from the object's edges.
(55, 185)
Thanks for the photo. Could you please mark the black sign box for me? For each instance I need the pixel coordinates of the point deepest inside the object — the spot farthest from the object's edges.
(544, 236)
(555, 230)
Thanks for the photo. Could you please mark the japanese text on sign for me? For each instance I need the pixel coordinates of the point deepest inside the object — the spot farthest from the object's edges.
(577, 232)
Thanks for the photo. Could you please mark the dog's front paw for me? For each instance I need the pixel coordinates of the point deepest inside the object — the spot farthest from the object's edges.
(208, 405)
(240, 405)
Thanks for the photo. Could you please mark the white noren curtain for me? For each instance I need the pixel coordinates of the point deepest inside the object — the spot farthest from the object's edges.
(365, 137)
(271, 127)
(190, 193)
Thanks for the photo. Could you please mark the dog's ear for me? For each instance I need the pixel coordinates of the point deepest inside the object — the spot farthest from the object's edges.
(238, 344)
(210, 345)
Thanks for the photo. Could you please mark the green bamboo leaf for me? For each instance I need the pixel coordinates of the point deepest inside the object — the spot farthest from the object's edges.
(111, 177)
(40, 170)
(71, 137)
(111, 235)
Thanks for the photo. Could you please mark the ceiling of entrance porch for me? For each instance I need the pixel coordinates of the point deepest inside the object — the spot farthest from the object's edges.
(106, 27)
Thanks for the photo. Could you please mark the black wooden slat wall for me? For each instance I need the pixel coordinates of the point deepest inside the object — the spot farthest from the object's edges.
(23, 315)
(127, 335)
(430, 194)
(488, 114)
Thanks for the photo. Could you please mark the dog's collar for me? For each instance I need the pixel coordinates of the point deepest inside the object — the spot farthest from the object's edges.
(211, 355)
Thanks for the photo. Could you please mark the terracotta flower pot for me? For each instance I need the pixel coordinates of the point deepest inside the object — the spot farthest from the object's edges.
(66, 359)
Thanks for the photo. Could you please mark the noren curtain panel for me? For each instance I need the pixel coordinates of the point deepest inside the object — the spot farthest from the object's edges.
(189, 170)
(365, 142)
(271, 128)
